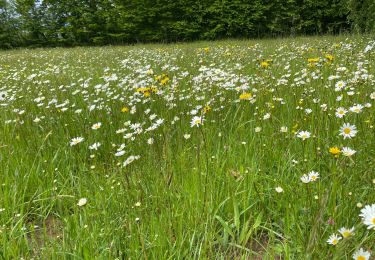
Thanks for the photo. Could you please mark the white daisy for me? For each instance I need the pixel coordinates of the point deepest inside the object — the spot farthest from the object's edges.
(313, 176)
(303, 135)
(348, 130)
(96, 126)
(94, 146)
(334, 239)
(196, 121)
(346, 151)
(82, 202)
(346, 232)
(76, 140)
(305, 178)
(368, 216)
(340, 85)
(340, 112)
(356, 109)
(361, 255)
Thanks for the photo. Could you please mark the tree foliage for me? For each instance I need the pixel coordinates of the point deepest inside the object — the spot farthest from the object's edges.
(98, 22)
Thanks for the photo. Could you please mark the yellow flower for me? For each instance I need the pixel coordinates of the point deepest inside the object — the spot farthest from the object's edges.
(124, 109)
(313, 60)
(154, 89)
(164, 81)
(245, 96)
(206, 109)
(329, 57)
(335, 151)
(264, 64)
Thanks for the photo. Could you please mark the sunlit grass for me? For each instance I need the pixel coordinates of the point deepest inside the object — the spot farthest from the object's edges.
(161, 184)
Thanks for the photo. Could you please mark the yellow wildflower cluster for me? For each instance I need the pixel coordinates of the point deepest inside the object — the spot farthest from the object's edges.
(147, 91)
(162, 79)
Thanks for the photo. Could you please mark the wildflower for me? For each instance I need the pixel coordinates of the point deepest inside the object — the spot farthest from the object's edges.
(82, 202)
(345, 232)
(96, 126)
(124, 109)
(279, 189)
(329, 57)
(356, 109)
(196, 121)
(130, 159)
(206, 109)
(150, 141)
(335, 151)
(340, 112)
(346, 151)
(76, 140)
(264, 64)
(333, 239)
(313, 176)
(361, 255)
(257, 129)
(245, 96)
(313, 60)
(368, 216)
(119, 153)
(340, 85)
(348, 131)
(284, 129)
(94, 146)
(303, 135)
(186, 136)
(305, 178)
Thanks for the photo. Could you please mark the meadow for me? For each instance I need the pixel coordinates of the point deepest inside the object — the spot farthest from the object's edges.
(258, 149)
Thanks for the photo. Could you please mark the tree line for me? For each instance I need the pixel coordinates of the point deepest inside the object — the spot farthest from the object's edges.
(39, 23)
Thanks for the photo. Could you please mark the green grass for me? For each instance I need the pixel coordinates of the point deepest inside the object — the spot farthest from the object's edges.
(209, 196)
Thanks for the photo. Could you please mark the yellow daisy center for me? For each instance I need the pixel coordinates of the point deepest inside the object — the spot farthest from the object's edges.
(361, 257)
(347, 131)
(346, 233)
(334, 242)
(373, 221)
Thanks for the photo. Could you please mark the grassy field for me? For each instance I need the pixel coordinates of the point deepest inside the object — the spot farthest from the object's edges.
(210, 150)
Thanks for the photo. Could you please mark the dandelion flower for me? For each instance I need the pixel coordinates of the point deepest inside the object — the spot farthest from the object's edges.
(245, 96)
(335, 151)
